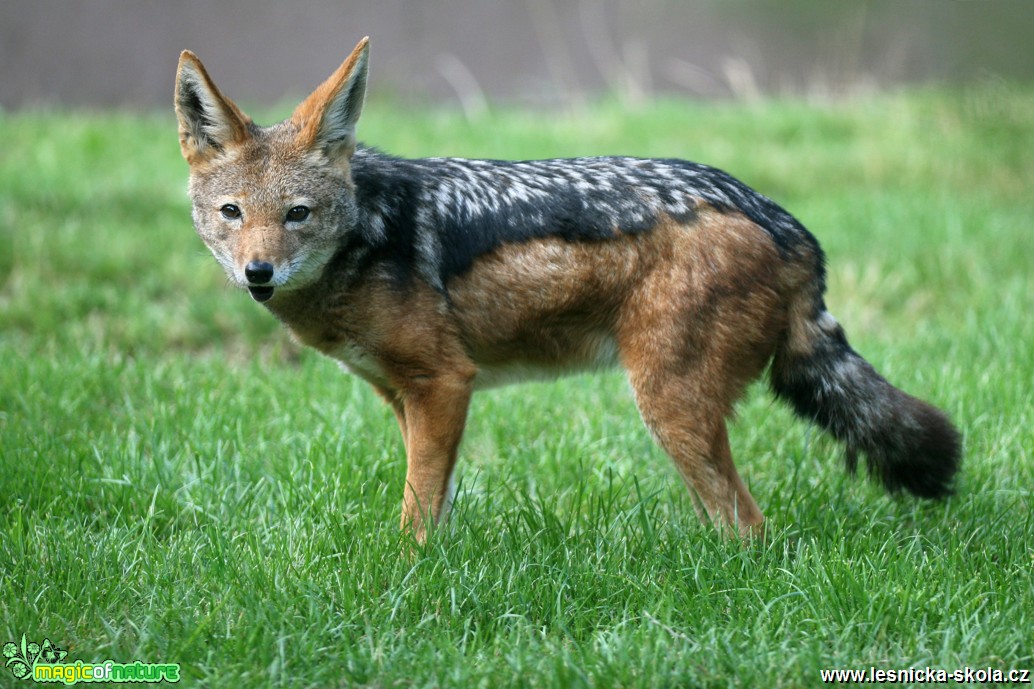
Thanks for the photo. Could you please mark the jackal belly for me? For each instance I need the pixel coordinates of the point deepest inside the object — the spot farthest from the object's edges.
(549, 358)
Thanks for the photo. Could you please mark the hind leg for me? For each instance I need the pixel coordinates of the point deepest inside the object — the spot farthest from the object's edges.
(699, 326)
(688, 421)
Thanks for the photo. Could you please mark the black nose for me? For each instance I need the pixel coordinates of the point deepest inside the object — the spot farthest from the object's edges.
(259, 272)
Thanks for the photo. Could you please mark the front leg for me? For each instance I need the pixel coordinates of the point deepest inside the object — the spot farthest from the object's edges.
(432, 413)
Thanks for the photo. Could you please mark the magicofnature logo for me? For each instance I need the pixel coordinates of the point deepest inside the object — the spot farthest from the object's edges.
(43, 663)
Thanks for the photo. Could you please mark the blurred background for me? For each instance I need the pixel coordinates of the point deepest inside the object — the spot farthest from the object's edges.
(103, 53)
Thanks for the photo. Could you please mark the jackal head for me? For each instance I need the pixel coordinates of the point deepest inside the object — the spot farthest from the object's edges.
(273, 204)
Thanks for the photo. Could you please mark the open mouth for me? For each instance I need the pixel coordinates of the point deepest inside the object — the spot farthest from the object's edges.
(261, 292)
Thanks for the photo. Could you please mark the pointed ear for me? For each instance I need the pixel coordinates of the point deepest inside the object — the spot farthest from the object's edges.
(326, 119)
(208, 120)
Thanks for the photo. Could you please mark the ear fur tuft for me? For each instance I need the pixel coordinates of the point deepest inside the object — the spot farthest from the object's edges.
(208, 120)
(327, 118)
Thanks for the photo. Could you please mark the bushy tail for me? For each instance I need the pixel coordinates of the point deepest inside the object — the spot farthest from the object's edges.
(907, 442)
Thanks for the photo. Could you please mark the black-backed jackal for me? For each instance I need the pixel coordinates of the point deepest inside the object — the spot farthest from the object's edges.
(433, 278)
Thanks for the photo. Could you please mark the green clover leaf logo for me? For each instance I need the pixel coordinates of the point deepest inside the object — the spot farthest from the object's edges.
(22, 658)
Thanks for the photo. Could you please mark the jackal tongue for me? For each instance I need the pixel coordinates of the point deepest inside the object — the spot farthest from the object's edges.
(261, 292)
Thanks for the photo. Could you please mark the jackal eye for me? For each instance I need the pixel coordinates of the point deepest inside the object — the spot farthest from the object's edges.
(298, 213)
(230, 212)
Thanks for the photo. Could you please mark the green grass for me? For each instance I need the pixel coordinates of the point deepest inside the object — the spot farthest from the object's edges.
(180, 483)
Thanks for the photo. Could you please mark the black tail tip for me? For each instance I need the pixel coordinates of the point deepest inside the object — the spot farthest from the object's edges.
(925, 464)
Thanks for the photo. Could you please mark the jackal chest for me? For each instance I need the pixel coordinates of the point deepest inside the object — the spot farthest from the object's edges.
(355, 359)
(325, 334)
